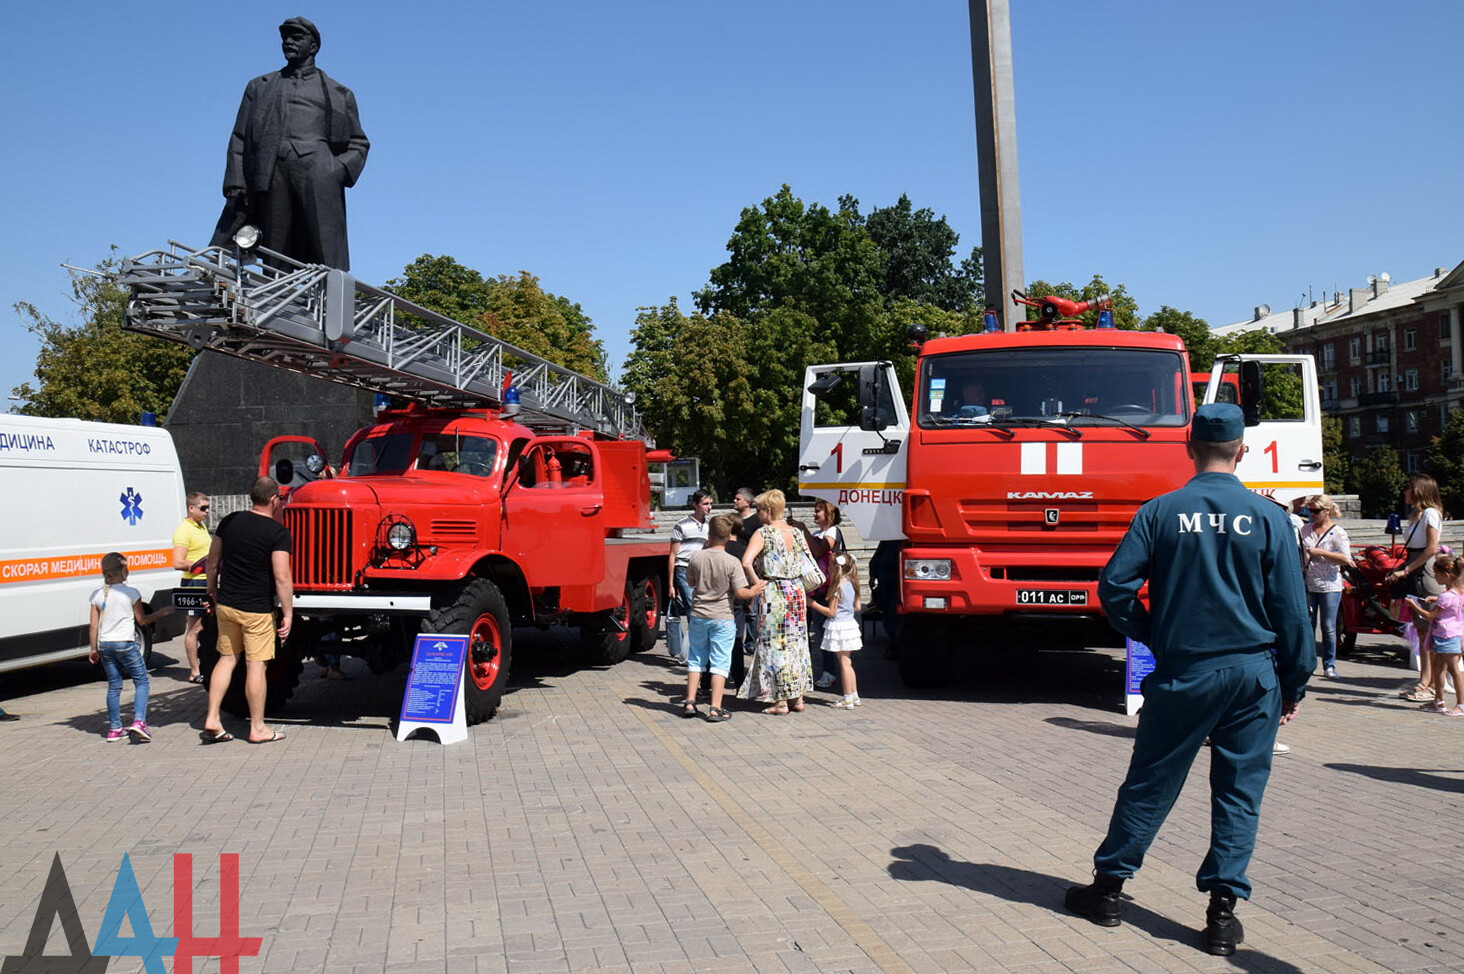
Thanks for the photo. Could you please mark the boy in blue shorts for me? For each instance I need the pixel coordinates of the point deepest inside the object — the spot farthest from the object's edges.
(716, 580)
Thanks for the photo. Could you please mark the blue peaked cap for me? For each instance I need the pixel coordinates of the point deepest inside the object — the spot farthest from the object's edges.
(1218, 422)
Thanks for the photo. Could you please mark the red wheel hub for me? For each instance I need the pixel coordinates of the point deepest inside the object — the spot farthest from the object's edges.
(484, 658)
(653, 611)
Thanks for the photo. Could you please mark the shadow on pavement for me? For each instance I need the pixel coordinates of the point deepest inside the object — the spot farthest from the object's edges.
(1093, 726)
(1393, 683)
(926, 863)
(1333, 690)
(1417, 777)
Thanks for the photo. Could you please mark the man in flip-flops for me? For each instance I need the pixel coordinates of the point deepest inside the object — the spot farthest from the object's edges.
(248, 569)
(1225, 594)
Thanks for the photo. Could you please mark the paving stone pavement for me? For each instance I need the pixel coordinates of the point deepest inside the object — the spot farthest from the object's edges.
(589, 828)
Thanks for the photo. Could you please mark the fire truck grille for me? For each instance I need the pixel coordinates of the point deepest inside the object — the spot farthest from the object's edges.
(322, 542)
(1032, 573)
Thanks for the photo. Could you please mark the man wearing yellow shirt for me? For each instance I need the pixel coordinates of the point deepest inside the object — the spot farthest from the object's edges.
(190, 551)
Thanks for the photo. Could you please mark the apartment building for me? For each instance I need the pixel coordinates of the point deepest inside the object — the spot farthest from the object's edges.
(1390, 360)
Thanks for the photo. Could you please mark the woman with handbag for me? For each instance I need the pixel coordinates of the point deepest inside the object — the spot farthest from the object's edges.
(1325, 548)
(781, 672)
(1421, 541)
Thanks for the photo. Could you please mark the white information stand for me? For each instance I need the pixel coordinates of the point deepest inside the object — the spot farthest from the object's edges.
(1138, 663)
(433, 700)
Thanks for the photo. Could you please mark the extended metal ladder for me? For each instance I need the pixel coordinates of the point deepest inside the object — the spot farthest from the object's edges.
(320, 321)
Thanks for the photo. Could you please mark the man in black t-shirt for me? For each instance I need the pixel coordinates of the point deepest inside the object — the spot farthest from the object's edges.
(248, 568)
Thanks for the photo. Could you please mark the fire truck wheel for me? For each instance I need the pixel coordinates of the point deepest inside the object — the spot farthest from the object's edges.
(608, 637)
(281, 674)
(645, 614)
(481, 613)
(925, 651)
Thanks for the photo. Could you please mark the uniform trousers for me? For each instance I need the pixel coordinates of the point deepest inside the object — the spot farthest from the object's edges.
(1239, 708)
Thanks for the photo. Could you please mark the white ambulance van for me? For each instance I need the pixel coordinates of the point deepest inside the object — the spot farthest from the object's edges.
(74, 491)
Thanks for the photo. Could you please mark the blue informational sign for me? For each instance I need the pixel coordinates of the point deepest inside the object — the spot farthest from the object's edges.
(436, 679)
(1140, 664)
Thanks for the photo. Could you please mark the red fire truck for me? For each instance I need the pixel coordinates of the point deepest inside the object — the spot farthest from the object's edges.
(1028, 455)
(509, 491)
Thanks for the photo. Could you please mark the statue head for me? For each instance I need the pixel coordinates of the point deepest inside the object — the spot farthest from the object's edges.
(299, 40)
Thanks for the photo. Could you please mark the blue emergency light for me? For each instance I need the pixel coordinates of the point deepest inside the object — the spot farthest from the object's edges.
(1105, 318)
(992, 322)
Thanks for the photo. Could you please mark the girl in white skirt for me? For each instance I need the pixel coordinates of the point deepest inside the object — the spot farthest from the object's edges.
(841, 634)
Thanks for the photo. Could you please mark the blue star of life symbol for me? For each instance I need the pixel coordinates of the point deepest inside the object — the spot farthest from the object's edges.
(131, 506)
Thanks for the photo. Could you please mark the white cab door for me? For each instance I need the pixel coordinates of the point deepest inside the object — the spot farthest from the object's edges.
(861, 471)
(1284, 456)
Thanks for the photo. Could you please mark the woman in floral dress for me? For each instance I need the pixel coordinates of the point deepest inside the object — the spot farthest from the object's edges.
(781, 672)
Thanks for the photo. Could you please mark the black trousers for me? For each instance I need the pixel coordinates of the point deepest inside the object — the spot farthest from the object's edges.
(304, 213)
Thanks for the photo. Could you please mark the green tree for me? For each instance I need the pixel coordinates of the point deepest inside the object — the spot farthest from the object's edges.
(1200, 343)
(785, 253)
(714, 388)
(95, 370)
(653, 342)
(1336, 464)
(1283, 391)
(1445, 460)
(443, 285)
(919, 249)
(1376, 478)
(802, 284)
(513, 308)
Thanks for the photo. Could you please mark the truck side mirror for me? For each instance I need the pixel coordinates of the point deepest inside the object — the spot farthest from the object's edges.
(872, 394)
(1252, 391)
(284, 472)
(825, 383)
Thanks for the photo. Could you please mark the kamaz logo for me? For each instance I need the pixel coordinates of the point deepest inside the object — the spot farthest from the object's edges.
(1049, 495)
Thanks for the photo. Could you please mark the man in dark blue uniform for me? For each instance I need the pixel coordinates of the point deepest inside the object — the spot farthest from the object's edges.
(1227, 625)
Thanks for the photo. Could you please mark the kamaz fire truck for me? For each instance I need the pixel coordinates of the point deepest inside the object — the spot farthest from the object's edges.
(508, 491)
(1028, 455)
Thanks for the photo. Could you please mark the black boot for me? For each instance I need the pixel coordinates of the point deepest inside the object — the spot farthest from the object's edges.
(1101, 901)
(1223, 931)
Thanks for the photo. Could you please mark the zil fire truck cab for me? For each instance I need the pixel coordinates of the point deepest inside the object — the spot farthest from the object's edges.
(1028, 454)
(466, 521)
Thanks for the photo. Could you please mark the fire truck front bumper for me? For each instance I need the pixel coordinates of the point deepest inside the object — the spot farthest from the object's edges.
(364, 603)
(1006, 581)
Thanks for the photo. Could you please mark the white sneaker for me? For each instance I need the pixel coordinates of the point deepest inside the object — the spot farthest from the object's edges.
(1279, 748)
(825, 680)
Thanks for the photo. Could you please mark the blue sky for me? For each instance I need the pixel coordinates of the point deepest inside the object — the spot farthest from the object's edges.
(1211, 156)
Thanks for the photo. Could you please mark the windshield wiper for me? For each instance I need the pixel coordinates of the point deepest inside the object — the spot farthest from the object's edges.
(1112, 419)
(952, 422)
(1051, 423)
